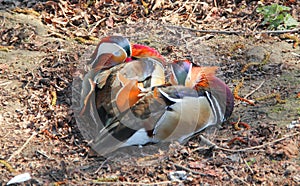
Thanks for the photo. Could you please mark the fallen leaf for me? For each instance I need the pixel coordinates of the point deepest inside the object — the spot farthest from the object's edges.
(196, 165)
(19, 178)
(290, 149)
(158, 4)
(109, 22)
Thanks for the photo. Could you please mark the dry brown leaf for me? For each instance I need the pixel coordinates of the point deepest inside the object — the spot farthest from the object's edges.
(109, 22)
(290, 149)
(196, 165)
(211, 172)
(158, 4)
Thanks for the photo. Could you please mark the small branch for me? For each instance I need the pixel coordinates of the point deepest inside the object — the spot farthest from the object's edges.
(8, 166)
(278, 31)
(259, 146)
(235, 32)
(234, 176)
(94, 27)
(102, 164)
(252, 92)
(236, 93)
(180, 8)
(295, 54)
(23, 146)
(137, 183)
(246, 164)
(215, 146)
(205, 31)
(258, 87)
(188, 169)
(276, 95)
(3, 83)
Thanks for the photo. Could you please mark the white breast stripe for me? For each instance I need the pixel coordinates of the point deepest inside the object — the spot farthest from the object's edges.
(214, 104)
(221, 113)
(168, 97)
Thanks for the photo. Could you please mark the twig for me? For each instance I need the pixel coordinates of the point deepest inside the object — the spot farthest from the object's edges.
(94, 27)
(23, 146)
(276, 95)
(137, 183)
(236, 93)
(63, 11)
(215, 146)
(252, 92)
(205, 31)
(258, 87)
(8, 166)
(295, 54)
(61, 78)
(6, 135)
(206, 141)
(44, 154)
(235, 32)
(3, 83)
(236, 124)
(188, 169)
(194, 9)
(278, 31)
(56, 34)
(177, 9)
(234, 176)
(263, 62)
(101, 166)
(292, 37)
(259, 146)
(246, 164)
(54, 97)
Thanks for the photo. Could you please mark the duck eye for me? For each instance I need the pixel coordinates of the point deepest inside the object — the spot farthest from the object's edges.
(169, 109)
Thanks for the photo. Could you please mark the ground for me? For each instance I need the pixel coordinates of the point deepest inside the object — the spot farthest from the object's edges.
(41, 51)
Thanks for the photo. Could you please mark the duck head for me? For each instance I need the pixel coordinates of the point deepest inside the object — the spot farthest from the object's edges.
(205, 82)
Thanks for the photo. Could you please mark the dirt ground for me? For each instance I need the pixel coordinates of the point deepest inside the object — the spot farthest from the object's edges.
(38, 131)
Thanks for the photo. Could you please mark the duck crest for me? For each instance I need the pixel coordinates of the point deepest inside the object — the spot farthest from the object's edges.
(140, 51)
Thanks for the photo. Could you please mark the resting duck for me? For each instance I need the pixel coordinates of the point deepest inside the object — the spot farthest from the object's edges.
(111, 51)
(196, 100)
(126, 103)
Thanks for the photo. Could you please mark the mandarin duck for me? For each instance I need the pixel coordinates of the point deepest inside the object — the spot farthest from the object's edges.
(110, 51)
(115, 88)
(125, 102)
(196, 100)
(200, 100)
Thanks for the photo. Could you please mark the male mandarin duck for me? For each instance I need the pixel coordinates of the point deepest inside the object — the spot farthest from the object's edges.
(196, 100)
(204, 81)
(110, 51)
(116, 85)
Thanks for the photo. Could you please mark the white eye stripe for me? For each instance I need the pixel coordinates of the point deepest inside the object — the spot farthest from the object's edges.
(130, 49)
(112, 48)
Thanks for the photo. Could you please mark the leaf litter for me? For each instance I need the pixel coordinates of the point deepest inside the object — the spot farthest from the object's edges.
(39, 133)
